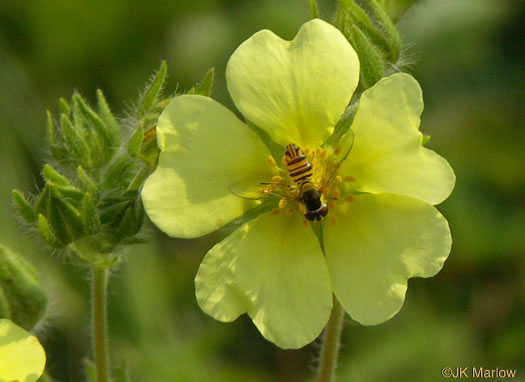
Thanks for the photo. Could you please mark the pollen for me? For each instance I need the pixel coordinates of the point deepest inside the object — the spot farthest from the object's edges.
(338, 179)
(290, 211)
(276, 179)
(333, 220)
(271, 161)
(349, 198)
(349, 179)
(282, 203)
(275, 211)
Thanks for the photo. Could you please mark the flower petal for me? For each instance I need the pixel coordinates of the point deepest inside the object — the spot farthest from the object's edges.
(272, 268)
(295, 90)
(378, 242)
(388, 155)
(22, 357)
(204, 149)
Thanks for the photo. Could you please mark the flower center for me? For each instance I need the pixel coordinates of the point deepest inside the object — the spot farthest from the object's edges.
(308, 182)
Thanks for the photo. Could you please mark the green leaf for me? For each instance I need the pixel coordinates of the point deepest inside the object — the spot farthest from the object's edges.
(343, 125)
(51, 175)
(314, 9)
(25, 209)
(153, 90)
(372, 68)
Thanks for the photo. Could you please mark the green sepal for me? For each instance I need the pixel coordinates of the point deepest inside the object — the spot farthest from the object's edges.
(46, 233)
(64, 106)
(149, 150)
(388, 29)
(135, 142)
(22, 290)
(314, 9)
(119, 173)
(112, 127)
(5, 310)
(205, 86)
(77, 147)
(86, 182)
(42, 203)
(57, 148)
(276, 150)
(372, 68)
(90, 215)
(51, 175)
(126, 226)
(65, 220)
(90, 370)
(351, 14)
(152, 91)
(425, 139)
(343, 125)
(24, 208)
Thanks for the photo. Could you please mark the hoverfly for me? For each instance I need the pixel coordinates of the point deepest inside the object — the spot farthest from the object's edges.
(299, 182)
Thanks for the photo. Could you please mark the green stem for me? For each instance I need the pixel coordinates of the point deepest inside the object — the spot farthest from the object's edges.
(331, 344)
(100, 325)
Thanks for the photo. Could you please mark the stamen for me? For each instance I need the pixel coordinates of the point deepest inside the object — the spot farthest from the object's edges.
(290, 211)
(349, 198)
(332, 219)
(307, 151)
(282, 203)
(338, 179)
(276, 179)
(275, 211)
(271, 161)
(349, 179)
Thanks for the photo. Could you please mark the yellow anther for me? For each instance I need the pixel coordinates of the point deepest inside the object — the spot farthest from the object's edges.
(332, 219)
(271, 161)
(282, 203)
(336, 193)
(275, 211)
(273, 187)
(276, 179)
(290, 211)
(349, 198)
(338, 179)
(337, 150)
(323, 154)
(349, 179)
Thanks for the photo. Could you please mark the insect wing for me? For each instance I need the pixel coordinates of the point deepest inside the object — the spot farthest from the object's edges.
(253, 189)
(344, 147)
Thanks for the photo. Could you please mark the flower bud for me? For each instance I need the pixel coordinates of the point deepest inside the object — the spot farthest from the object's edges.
(22, 298)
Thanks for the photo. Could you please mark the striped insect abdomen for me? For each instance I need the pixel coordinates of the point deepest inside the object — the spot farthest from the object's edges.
(299, 169)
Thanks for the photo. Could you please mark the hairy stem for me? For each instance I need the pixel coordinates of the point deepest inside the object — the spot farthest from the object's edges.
(331, 344)
(100, 325)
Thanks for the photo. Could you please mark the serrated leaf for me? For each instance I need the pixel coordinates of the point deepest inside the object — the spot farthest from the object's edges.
(153, 90)
(24, 208)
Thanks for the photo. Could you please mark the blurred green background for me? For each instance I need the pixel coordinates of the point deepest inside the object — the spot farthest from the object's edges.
(469, 56)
